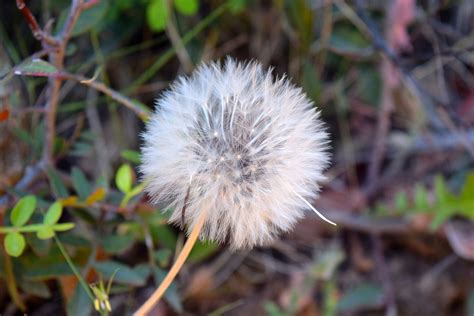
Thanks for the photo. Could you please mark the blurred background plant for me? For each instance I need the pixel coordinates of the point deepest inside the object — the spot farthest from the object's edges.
(394, 81)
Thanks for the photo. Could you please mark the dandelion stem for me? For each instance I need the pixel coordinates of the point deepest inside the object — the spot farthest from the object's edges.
(183, 255)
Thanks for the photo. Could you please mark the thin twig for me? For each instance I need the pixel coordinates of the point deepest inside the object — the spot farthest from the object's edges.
(38, 33)
(56, 58)
(436, 110)
(177, 42)
(383, 127)
(368, 224)
(56, 48)
(100, 145)
(114, 95)
(384, 275)
(379, 44)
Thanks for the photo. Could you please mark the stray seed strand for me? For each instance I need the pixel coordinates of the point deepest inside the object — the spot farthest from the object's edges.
(315, 210)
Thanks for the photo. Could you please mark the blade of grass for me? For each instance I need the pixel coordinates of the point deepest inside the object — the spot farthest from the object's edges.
(160, 62)
(66, 256)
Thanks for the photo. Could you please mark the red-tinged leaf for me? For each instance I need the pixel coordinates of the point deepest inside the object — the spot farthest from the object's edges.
(37, 68)
(96, 196)
(69, 201)
(4, 115)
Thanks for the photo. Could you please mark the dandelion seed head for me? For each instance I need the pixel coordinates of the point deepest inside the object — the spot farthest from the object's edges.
(238, 144)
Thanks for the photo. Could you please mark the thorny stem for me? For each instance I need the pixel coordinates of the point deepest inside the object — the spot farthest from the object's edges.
(183, 255)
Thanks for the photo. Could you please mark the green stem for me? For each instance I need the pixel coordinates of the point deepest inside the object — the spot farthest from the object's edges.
(83, 283)
(23, 229)
(133, 192)
(30, 228)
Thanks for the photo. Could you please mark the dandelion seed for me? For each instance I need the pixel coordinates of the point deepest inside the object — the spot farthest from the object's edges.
(253, 146)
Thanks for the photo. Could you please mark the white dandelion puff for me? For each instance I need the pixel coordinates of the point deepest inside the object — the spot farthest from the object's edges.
(233, 142)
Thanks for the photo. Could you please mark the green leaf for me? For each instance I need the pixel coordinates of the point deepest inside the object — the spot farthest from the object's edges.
(157, 15)
(440, 190)
(421, 198)
(14, 244)
(57, 184)
(23, 210)
(171, 295)
(187, 7)
(115, 244)
(36, 67)
(365, 295)
(81, 185)
(164, 235)
(38, 246)
(381, 209)
(53, 214)
(124, 274)
(446, 203)
(88, 18)
(51, 266)
(368, 84)
(201, 251)
(45, 232)
(72, 239)
(130, 194)
(348, 40)
(311, 82)
(131, 155)
(163, 256)
(79, 304)
(236, 6)
(273, 309)
(123, 178)
(143, 270)
(36, 288)
(401, 201)
(330, 298)
(63, 227)
(81, 149)
(468, 187)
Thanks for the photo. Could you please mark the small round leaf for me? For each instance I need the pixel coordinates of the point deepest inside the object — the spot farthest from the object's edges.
(53, 214)
(157, 15)
(45, 232)
(63, 227)
(123, 178)
(23, 210)
(14, 244)
(187, 7)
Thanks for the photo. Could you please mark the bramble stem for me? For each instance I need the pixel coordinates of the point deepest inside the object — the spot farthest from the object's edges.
(183, 255)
